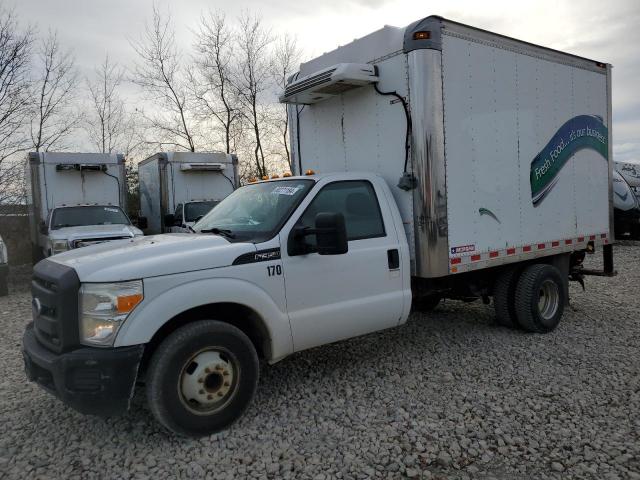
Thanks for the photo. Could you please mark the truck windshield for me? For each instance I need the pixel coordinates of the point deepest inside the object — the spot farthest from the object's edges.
(255, 212)
(193, 210)
(90, 215)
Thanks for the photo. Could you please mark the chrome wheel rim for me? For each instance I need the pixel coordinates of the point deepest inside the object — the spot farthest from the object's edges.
(548, 300)
(208, 381)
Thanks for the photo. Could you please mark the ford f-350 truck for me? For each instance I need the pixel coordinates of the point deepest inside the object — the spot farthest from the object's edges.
(453, 163)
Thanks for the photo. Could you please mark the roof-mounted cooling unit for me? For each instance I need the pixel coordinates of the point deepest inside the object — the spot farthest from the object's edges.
(328, 83)
(201, 167)
(95, 167)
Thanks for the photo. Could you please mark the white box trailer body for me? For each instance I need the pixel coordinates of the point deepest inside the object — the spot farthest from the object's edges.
(57, 180)
(172, 179)
(510, 145)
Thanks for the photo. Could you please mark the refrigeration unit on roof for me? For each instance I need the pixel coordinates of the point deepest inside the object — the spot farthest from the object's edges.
(328, 83)
(95, 167)
(201, 167)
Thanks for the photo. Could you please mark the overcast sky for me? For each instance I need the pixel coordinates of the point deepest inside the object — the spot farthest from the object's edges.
(606, 31)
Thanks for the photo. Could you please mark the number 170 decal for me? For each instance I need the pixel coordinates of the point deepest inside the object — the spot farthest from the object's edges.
(273, 270)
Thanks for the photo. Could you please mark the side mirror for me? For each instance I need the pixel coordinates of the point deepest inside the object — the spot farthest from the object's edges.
(330, 232)
(142, 223)
(43, 228)
(169, 220)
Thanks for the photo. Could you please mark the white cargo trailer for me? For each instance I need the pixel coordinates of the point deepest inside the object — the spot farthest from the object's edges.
(450, 163)
(75, 200)
(176, 188)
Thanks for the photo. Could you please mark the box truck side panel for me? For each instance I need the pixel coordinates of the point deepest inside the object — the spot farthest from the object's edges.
(64, 184)
(361, 130)
(198, 185)
(149, 175)
(525, 145)
(481, 142)
(590, 167)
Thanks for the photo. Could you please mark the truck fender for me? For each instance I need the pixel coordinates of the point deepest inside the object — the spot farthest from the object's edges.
(152, 314)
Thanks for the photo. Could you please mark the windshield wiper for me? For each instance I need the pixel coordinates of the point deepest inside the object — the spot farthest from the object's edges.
(191, 228)
(219, 231)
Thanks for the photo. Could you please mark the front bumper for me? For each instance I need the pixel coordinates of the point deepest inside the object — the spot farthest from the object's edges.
(93, 381)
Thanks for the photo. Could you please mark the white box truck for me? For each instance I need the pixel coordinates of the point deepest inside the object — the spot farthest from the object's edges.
(177, 188)
(503, 153)
(76, 200)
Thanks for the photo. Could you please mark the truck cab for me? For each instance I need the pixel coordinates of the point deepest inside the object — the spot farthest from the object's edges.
(277, 267)
(187, 214)
(77, 226)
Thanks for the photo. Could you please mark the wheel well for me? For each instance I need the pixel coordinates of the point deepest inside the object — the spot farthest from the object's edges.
(234, 314)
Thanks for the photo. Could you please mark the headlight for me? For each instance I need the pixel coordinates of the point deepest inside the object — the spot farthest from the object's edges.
(104, 308)
(58, 246)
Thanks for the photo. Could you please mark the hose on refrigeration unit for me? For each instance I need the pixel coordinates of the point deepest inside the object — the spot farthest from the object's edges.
(407, 181)
(118, 182)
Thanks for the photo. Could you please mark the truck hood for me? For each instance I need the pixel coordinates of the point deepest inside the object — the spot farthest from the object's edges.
(151, 256)
(93, 231)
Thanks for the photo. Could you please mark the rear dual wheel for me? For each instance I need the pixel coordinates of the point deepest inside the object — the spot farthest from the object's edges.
(533, 300)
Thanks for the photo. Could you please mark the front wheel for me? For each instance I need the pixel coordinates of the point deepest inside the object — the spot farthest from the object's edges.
(202, 378)
(540, 298)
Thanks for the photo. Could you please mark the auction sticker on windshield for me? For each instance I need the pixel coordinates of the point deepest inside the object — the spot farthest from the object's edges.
(112, 210)
(286, 190)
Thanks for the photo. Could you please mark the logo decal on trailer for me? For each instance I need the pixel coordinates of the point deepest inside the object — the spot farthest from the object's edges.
(486, 211)
(582, 131)
(462, 249)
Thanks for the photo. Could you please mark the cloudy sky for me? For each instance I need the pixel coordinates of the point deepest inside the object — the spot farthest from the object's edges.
(605, 31)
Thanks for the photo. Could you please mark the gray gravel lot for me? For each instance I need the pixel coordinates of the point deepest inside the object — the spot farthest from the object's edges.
(449, 395)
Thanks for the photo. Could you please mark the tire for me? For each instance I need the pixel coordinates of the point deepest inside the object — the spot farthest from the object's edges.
(540, 298)
(504, 298)
(203, 360)
(426, 304)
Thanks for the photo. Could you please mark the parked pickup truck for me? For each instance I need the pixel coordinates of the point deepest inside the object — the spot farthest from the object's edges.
(453, 163)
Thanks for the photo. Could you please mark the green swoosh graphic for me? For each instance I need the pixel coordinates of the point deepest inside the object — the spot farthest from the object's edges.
(486, 211)
(582, 131)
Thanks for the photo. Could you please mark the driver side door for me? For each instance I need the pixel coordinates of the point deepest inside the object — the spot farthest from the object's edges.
(333, 297)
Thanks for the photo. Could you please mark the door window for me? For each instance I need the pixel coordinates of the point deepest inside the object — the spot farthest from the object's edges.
(356, 200)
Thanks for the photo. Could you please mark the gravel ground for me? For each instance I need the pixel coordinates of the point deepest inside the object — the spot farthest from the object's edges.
(449, 395)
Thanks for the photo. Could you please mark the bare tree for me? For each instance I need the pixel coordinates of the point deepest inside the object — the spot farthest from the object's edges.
(54, 93)
(159, 74)
(286, 59)
(212, 81)
(106, 124)
(15, 47)
(253, 79)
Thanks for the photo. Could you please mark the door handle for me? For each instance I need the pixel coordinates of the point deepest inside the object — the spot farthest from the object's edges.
(393, 257)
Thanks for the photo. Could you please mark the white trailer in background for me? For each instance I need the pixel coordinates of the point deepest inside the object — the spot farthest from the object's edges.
(75, 200)
(177, 188)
